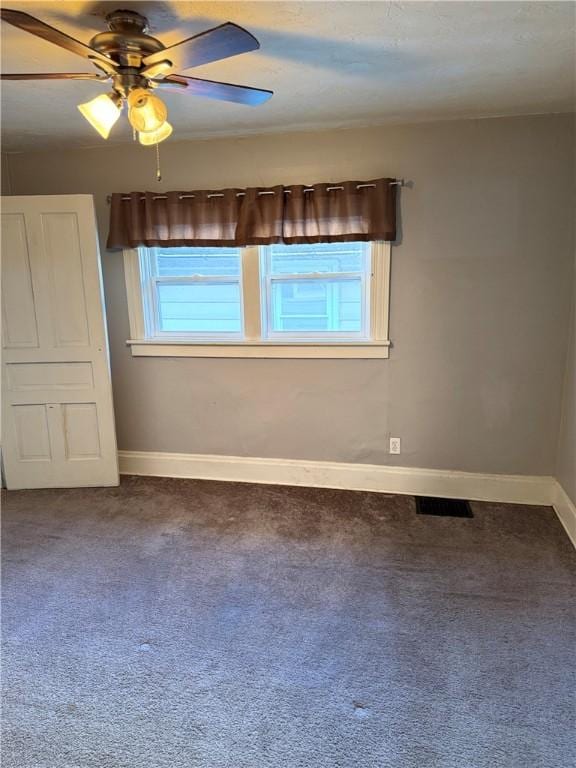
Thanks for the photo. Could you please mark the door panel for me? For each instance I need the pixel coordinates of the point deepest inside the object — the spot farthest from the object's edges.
(23, 377)
(18, 312)
(64, 263)
(80, 424)
(58, 423)
(31, 428)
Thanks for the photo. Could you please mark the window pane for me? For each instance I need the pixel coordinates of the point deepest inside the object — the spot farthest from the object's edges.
(202, 307)
(184, 262)
(316, 305)
(326, 305)
(321, 257)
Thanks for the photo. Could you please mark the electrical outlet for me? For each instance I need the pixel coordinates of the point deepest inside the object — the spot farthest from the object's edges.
(394, 445)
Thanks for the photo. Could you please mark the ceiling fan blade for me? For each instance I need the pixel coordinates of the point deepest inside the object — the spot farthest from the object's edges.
(46, 32)
(214, 44)
(211, 89)
(55, 76)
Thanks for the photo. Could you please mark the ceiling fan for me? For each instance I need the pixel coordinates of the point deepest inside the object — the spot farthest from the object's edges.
(136, 64)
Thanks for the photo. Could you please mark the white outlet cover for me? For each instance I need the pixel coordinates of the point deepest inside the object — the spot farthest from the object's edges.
(394, 445)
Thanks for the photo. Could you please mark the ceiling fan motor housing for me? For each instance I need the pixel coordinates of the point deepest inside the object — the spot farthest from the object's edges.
(127, 41)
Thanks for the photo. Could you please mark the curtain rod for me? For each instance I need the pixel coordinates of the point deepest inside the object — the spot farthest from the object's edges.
(397, 182)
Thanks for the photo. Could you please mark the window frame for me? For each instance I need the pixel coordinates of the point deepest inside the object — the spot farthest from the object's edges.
(145, 341)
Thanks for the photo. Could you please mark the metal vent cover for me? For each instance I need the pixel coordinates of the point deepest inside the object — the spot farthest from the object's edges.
(430, 505)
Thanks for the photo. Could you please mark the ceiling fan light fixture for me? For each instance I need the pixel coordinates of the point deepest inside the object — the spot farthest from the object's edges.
(137, 64)
(146, 111)
(102, 112)
(155, 137)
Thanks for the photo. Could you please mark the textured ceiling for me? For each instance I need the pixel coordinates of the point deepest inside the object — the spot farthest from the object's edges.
(330, 64)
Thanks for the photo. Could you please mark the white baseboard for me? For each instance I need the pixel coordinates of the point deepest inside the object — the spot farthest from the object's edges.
(521, 489)
(565, 509)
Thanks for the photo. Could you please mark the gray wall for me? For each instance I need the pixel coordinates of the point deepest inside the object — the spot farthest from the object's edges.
(479, 311)
(5, 187)
(566, 471)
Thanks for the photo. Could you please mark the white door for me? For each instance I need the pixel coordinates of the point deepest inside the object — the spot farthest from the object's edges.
(57, 415)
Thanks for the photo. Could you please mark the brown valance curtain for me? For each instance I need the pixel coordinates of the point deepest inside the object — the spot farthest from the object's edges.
(329, 213)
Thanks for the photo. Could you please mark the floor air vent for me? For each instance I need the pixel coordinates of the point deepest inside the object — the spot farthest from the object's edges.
(428, 505)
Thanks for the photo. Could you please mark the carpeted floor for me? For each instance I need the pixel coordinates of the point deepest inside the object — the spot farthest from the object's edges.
(183, 624)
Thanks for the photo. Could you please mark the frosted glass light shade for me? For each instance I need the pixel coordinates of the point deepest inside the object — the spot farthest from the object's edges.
(102, 112)
(146, 112)
(155, 137)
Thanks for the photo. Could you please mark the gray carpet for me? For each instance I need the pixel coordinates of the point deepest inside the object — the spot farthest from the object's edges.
(176, 624)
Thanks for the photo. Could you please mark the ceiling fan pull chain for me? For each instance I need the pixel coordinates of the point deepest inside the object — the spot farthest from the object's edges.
(158, 171)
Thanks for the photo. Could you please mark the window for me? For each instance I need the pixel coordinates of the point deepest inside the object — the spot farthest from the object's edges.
(192, 292)
(313, 292)
(317, 300)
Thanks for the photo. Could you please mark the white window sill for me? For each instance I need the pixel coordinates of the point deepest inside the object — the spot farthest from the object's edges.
(261, 349)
